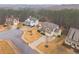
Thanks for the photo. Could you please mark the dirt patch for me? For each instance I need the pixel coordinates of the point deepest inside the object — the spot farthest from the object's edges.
(31, 35)
(55, 47)
(2, 28)
(7, 47)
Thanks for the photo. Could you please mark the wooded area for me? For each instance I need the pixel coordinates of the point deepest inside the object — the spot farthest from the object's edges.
(63, 17)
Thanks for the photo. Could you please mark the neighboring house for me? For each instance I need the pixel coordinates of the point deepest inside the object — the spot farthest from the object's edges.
(72, 38)
(11, 21)
(31, 21)
(15, 22)
(50, 29)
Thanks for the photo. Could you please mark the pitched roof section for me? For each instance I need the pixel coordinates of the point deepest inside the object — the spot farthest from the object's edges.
(72, 37)
(50, 26)
(73, 34)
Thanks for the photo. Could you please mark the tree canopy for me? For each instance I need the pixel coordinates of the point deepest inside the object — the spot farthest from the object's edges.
(63, 17)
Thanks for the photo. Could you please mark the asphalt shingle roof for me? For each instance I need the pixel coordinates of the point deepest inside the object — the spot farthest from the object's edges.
(48, 25)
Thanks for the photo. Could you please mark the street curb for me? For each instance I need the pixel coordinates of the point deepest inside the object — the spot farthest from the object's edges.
(33, 47)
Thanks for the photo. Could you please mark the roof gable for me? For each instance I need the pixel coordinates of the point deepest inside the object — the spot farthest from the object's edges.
(73, 35)
(49, 26)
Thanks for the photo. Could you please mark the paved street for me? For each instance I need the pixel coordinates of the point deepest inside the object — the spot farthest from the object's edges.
(15, 36)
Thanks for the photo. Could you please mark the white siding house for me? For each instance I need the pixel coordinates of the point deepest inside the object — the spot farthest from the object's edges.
(31, 21)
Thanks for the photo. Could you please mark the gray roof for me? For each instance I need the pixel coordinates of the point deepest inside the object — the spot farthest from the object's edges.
(73, 34)
(72, 37)
(48, 25)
